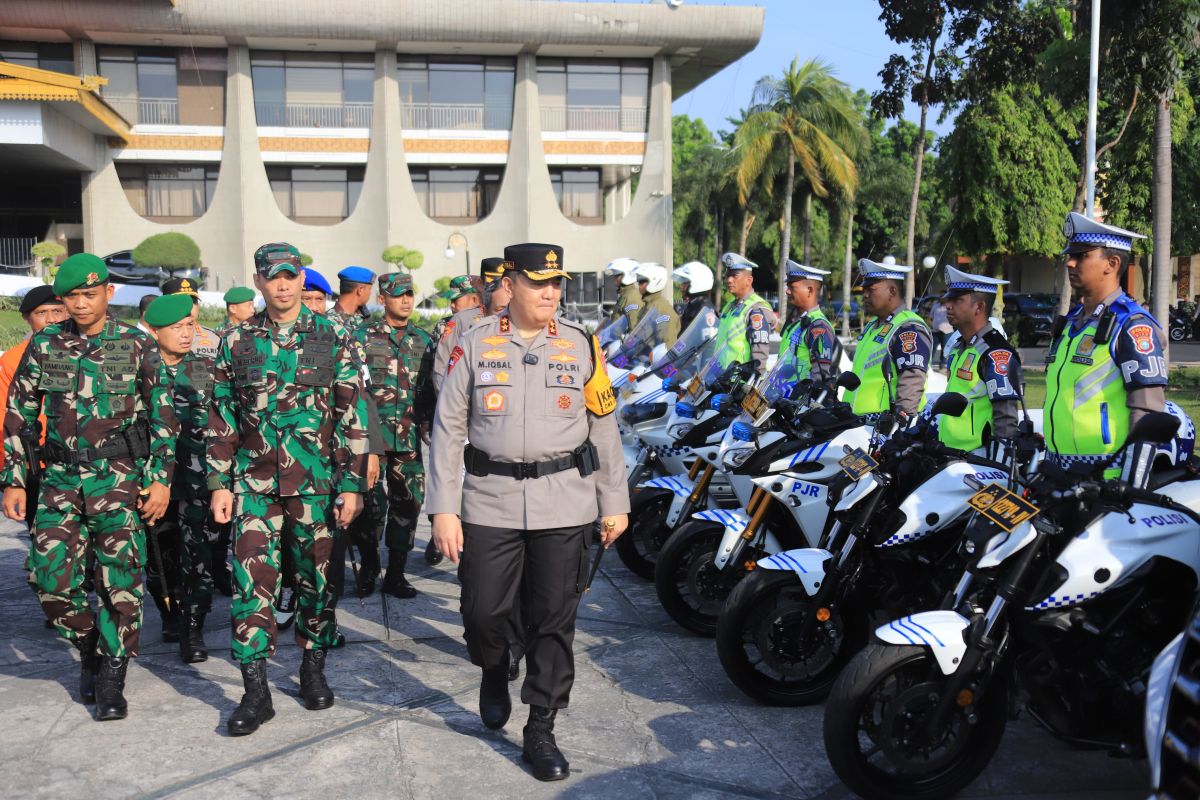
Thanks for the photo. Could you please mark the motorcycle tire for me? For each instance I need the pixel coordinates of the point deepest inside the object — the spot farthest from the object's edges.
(761, 619)
(1178, 334)
(687, 579)
(639, 546)
(858, 706)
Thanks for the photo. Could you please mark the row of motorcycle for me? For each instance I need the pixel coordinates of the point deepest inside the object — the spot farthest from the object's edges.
(926, 595)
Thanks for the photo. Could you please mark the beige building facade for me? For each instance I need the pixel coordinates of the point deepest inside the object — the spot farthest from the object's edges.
(452, 127)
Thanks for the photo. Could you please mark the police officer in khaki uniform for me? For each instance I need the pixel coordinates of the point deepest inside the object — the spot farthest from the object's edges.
(490, 270)
(531, 394)
(205, 341)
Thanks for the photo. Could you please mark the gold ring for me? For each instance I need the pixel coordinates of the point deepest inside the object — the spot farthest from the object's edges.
(610, 523)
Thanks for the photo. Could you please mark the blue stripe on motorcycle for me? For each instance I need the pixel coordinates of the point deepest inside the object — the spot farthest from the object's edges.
(915, 624)
(902, 632)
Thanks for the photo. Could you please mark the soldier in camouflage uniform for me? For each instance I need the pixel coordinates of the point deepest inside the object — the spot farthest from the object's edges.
(354, 292)
(400, 358)
(288, 431)
(108, 456)
(189, 376)
(239, 307)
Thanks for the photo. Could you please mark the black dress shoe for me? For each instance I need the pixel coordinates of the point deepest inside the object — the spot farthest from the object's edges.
(255, 708)
(191, 639)
(433, 556)
(514, 666)
(313, 687)
(394, 582)
(495, 706)
(541, 751)
(110, 688)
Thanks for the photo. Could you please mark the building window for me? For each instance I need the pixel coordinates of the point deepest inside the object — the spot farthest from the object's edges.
(50, 56)
(168, 192)
(578, 194)
(457, 194)
(319, 195)
(313, 90)
(143, 83)
(593, 94)
(452, 93)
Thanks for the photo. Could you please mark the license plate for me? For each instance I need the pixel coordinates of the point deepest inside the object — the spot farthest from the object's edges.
(693, 387)
(1006, 509)
(857, 463)
(754, 404)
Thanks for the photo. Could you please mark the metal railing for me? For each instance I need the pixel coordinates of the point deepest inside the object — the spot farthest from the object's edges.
(15, 255)
(593, 118)
(455, 116)
(145, 110)
(314, 115)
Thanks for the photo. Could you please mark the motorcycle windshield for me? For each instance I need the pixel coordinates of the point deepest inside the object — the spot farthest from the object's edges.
(725, 354)
(779, 382)
(612, 331)
(638, 345)
(693, 348)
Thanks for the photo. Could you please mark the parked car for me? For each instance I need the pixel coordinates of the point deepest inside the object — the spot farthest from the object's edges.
(122, 270)
(1030, 317)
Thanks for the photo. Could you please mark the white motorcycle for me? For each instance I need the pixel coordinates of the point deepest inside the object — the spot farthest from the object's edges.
(1071, 589)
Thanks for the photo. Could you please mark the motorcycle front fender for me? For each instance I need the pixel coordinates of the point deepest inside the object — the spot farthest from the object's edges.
(858, 491)
(940, 631)
(808, 563)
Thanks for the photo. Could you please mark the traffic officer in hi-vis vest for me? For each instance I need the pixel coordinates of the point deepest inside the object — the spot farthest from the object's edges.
(984, 368)
(746, 321)
(894, 350)
(809, 339)
(1105, 367)
(531, 394)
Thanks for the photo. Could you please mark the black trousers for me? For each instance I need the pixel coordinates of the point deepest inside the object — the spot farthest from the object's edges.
(547, 569)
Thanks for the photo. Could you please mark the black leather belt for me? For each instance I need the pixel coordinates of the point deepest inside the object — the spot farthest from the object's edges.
(129, 444)
(584, 458)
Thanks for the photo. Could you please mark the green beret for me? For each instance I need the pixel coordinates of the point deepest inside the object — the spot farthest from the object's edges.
(80, 271)
(239, 294)
(394, 284)
(168, 309)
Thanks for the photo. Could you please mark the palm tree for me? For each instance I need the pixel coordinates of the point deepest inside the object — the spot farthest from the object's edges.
(810, 115)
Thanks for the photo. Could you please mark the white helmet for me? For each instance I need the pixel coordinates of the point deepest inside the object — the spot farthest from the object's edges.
(623, 267)
(698, 276)
(654, 274)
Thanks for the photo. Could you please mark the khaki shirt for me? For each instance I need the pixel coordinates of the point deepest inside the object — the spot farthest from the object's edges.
(452, 333)
(519, 412)
(666, 320)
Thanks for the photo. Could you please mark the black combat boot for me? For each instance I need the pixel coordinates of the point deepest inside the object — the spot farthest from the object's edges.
(89, 664)
(191, 639)
(110, 685)
(313, 688)
(368, 570)
(495, 705)
(433, 556)
(514, 665)
(394, 582)
(540, 750)
(170, 616)
(255, 708)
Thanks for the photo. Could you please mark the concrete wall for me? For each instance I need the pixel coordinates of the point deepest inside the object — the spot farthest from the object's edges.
(244, 214)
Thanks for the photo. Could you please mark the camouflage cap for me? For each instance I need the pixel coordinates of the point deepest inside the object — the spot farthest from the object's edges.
(394, 284)
(239, 294)
(539, 262)
(168, 309)
(460, 286)
(80, 271)
(275, 257)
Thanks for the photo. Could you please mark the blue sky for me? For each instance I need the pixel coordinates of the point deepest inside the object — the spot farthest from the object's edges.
(847, 34)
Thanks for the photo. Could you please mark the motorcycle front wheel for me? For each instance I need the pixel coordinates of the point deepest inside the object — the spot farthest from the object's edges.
(876, 734)
(687, 579)
(766, 653)
(638, 548)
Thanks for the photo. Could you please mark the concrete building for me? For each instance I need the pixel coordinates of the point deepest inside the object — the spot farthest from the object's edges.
(453, 127)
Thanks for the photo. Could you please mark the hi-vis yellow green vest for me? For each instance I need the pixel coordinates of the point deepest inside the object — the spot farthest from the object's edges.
(982, 370)
(732, 330)
(1090, 368)
(874, 360)
(810, 337)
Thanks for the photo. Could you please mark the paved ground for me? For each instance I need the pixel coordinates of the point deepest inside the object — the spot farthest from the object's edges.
(652, 716)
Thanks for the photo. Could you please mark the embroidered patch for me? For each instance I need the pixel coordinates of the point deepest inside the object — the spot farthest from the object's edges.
(1000, 359)
(455, 355)
(564, 401)
(486, 376)
(908, 341)
(552, 328)
(493, 401)
(449, 326)
(502, 377)
(563, 357)
(662, 319)
(494, 354)
(1143, 338)
(757, 321)
(493, 341)
(505, 324)
(562, 344)
(631, 307)
(565, 380)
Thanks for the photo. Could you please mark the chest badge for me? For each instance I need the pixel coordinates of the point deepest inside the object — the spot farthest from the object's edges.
(564, 401)
(563, 358)
(1143, 338)
(493, 401)
(494, 354)
(495, 341)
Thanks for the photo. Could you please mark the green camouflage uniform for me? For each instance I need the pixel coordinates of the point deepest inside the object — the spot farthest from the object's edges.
(191, 382)
(101, 395)
(288, 431)
(400, 362)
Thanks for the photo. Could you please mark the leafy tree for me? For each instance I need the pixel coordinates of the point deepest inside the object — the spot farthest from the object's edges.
(306, 260)
(171, 250)
(808, 113)
(400, 256)
(47, 253)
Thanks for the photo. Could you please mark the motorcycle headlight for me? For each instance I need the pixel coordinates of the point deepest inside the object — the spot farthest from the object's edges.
(685, 409)
(743, 431)
(679, 430)
(735, 457)
(716, 400)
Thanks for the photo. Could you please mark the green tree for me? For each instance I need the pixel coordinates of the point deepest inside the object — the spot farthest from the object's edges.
(400, 256)
(306, 260)
(47, 253)
(171, 250)
(809, 115)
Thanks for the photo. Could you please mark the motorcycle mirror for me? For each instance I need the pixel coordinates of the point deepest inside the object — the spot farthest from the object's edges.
(1156, 427)
(848, 380)
(951, 404)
